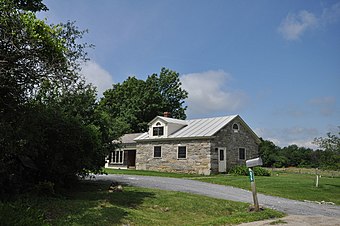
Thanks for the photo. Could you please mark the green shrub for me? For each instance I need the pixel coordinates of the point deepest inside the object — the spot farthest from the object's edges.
(259, 171)
(45, 188)
(243, 171)
(239, 170)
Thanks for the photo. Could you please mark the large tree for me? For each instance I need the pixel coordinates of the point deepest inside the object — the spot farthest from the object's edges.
(329, 143)
(330, 156)
(48, 117)
(133, 103)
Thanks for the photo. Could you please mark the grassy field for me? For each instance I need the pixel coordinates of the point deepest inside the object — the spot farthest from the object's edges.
(93, 204)
(311, 171)
(292, 185)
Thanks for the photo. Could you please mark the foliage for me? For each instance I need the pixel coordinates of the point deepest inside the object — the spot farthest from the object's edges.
(45, 188)
(239, 170)
(91, 203)
(259, 171)
(329, 143)
(31, 5)
(243, 171)
(134, 103)
(292, 155)
(50, 128)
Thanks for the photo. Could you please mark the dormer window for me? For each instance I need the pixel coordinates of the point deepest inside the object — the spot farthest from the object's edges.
(162, 127)
(158, 130)
(236, 128)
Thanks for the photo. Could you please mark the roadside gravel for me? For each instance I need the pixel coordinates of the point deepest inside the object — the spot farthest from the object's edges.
(288, 206)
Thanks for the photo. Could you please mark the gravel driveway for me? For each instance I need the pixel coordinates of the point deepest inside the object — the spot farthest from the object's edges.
(224, 192)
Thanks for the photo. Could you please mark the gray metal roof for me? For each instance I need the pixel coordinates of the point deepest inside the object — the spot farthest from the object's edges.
(128, 138)
(169, 120)
(196, 128)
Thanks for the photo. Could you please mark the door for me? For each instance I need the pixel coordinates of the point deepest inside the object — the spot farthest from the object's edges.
(131, 158)
(222, 159)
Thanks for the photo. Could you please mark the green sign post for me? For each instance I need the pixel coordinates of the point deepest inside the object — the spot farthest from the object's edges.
(253, 189)
(251, 175)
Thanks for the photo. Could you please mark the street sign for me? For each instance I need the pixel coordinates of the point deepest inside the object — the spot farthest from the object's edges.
(251, 175)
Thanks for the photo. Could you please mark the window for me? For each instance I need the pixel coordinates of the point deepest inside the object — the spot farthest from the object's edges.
(221, 155)
(235, 128)
(182, 152)
(157, 152)
(242, 153)
(116, 157)
(158, 131)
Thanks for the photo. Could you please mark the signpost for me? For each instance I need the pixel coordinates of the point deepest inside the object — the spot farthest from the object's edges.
(250, 164)
(253, 189)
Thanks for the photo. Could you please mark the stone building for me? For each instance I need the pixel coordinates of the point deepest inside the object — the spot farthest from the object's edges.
(201, 146)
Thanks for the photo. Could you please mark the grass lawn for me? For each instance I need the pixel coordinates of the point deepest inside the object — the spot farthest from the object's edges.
(92, 204)
(292, 186)
(150, 173)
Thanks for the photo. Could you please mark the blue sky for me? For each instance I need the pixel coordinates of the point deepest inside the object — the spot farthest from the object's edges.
(276, 63)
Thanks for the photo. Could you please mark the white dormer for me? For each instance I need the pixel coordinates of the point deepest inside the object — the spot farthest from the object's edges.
(163, 127)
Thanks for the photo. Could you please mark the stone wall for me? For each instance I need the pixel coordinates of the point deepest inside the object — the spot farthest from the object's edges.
(197, 161)
(231, 140)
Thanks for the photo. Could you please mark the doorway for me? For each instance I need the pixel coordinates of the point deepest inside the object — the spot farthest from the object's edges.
(131, 158)
(222, 159)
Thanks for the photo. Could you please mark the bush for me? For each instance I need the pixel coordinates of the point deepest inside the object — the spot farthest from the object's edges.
(45, 188)
(239, 170)
(55, 147)
(259, 171)
(243, 171)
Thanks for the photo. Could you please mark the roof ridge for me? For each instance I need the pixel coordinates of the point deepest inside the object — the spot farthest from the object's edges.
(212, 117)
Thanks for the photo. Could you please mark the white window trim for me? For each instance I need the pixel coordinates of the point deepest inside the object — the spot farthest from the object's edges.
(121, 152)
(186, 152)
(158, 131)
(238, 127)
(245, 153)
(154, 152)
(158, 123)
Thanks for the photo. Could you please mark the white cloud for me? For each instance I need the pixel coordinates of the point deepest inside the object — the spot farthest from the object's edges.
(98, 76)
(207, 93)
(307, 143)
(294, 25)
(332, 14)
(283, 137)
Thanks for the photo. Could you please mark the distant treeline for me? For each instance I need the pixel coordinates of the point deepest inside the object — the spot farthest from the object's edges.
(327, 157)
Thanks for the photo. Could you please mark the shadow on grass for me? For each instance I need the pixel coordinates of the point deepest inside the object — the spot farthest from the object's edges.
(91, 203)
(332, 185)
